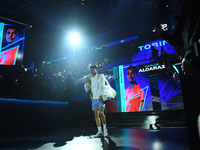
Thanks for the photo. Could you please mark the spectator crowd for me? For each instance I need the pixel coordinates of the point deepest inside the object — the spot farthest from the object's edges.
(47, 83)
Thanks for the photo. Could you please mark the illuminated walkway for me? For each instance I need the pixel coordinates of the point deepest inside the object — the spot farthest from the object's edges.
(119, 139)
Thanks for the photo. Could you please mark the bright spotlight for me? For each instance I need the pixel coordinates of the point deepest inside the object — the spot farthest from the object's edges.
(74, 38)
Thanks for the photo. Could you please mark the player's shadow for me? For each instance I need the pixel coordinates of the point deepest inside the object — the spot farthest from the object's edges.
(109, 144)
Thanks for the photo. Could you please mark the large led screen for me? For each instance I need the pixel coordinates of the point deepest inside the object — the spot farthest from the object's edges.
(145, 88)
(12, 38)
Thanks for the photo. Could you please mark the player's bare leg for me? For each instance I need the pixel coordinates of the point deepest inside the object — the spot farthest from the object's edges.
(103, 119)
(98, 123)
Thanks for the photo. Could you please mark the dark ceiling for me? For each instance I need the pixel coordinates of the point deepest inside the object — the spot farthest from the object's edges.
(97, 21)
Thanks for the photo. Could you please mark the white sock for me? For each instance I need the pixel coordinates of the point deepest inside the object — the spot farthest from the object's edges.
(99, 129)
(104, 125)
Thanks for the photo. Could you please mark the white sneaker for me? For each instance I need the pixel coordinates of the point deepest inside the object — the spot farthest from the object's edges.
(99, 133)
(105, 132)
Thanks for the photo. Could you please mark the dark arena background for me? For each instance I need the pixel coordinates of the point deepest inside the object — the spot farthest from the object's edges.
(43, 102)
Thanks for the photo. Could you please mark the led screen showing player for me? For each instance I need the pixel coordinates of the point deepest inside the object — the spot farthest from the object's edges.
(12, 47)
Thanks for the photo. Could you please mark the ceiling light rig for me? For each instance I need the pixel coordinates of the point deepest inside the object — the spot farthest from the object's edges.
(30, 26)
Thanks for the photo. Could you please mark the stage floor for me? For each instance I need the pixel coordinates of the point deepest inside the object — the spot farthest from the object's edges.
(119, 139)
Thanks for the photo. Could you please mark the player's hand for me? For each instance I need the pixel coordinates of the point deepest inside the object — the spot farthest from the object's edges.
(100, 98)
(87, 81)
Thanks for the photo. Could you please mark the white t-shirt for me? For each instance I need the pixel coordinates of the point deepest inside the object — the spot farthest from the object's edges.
(97, 84)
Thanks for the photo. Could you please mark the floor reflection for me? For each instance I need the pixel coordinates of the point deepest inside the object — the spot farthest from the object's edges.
(119, 139)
